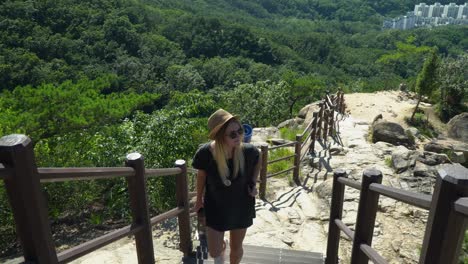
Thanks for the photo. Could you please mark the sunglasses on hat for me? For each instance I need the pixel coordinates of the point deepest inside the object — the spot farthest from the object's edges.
(235, 134)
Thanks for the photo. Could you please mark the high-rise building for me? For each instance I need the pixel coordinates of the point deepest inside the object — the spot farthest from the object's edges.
(436, 10)
(430, 16)
(451, 10)
(421, 10)
(462, 11)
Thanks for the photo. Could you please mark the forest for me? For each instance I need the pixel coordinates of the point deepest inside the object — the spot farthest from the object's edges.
(90, 81)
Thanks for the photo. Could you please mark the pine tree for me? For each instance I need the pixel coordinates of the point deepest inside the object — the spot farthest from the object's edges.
(427, 81)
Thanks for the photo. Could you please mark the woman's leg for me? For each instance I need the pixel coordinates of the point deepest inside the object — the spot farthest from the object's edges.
(215, 241)
(236, 239)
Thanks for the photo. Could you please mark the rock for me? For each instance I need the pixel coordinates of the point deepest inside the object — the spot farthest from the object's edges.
(324, 189)
(382, 149)
(432, 159)
(458, 157)
(313, 107)
(402, 158)
(458, 127)
(448, 146)
(414, 131)
(390, 132)
(261, 134)
(377, 118)
(303, 112)
(294, 122)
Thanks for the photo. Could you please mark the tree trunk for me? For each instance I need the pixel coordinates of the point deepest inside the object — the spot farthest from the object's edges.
(415, 109)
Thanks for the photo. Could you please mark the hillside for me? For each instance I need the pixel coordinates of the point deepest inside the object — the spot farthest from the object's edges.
(90, 81)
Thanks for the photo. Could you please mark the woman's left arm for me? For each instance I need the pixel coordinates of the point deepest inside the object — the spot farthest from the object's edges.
(253, 186)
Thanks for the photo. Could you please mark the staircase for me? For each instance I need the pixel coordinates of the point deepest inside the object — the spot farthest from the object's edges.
(252, 254)
(259, 255)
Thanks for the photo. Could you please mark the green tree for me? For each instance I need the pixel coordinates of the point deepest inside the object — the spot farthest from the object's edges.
(427, 80)
(453, 80)
(259, 104)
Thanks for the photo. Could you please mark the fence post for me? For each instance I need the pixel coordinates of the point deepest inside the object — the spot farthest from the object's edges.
(263, 171)
(140, 211)
(320, 120)
(297, 160)
(326, 115)
(367, 211)
(343, 105)
(445, 229)
(331, 129)
(183, 202)
(314, 133)
(27, 200)
(336, 211)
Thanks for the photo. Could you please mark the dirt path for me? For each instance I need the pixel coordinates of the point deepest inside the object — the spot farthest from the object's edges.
(393, 105)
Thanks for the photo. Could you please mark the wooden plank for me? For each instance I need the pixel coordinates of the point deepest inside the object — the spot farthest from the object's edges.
(277, 173)
(282, 146)
(461, 206)
(74, 174)
(280, 159)
(162, 172)
(372, 254)
(348, 232)
(417, 199)
(164, 216)
(350, 183)
(87, 247)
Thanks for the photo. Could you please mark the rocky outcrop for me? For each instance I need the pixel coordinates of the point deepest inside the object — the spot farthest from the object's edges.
(293, 122)
(458, 127)
(457, 151)
(390, 132)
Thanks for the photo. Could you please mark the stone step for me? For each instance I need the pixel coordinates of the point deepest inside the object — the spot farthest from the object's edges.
(264, 255)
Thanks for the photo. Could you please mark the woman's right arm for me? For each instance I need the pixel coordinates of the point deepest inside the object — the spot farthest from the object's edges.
(201, 179)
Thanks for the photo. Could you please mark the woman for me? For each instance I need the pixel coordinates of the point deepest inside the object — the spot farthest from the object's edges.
(226, 185)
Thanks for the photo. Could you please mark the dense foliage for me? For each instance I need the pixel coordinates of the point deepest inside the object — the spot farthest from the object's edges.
(90, 81)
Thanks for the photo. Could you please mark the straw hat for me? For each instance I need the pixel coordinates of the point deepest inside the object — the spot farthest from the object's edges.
(217, 120)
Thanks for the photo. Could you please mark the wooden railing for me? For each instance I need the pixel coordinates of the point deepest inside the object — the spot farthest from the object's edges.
(23, 185)
(445, 228)
(322, 125)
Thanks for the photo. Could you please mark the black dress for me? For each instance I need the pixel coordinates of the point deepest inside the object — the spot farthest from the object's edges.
(227, 207)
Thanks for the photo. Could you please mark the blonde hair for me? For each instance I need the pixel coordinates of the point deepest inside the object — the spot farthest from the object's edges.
(221, 153)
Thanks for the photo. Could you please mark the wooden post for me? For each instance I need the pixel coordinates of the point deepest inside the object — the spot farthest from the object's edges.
(314, 133)
(320, 120)
(336, 212)
(367, 211)
(140, 211)
(297, 160)
(445, 229)
(185, 230)
(331, 130)
(263, 171)
(343, 105)
(326, 115)
(27, 200)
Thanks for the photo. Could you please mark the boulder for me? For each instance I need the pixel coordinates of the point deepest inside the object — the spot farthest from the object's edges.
(294, 122)
(307, 112)
(432, 159)
(390, 132)
(458, 127)
(402, 159)
(261, 134)
(449, 147)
